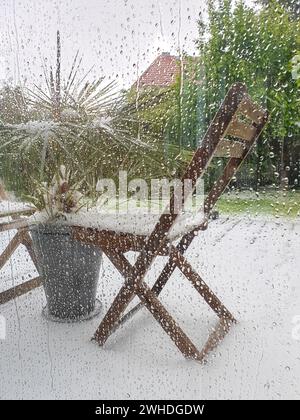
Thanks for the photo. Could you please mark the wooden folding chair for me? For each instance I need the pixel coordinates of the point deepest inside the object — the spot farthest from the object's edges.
(232, 133)
(22, 237)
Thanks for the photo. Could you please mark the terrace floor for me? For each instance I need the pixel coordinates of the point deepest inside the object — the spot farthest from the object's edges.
(251, 263)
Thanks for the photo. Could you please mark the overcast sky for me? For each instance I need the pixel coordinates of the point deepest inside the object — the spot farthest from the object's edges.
(120, 37)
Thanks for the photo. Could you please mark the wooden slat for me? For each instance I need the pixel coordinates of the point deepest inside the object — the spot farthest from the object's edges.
(241, 130)
(121, 241)
(11, 247)
(15, 224)
(251, 110)
(167, 322)
(20, 290)
(199, 284)
(23, 212)
(228, 148)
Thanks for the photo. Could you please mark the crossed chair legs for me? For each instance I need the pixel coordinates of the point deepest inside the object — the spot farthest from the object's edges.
(136, 286)
(149, 298)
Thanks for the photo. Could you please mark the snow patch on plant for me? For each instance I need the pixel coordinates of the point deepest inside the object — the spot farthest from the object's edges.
(43, 129)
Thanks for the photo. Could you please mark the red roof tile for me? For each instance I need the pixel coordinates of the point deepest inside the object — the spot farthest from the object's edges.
(162, 72)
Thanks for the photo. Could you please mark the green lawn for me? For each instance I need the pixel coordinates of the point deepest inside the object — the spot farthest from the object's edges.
(277, 203)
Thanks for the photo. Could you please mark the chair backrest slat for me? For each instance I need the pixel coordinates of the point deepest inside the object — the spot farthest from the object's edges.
(228, 148)
(251, 110)
(241, 130)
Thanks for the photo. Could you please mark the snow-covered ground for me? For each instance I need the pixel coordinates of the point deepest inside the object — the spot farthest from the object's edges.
(252, 264)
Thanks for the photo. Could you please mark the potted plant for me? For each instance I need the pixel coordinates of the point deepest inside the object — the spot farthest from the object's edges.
(71, 134)
(66, 137)
(69, 268)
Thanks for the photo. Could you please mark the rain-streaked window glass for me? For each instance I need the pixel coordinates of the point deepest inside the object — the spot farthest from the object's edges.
(149, 199)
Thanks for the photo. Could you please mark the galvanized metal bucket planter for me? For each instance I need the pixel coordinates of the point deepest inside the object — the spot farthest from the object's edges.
(70, 273)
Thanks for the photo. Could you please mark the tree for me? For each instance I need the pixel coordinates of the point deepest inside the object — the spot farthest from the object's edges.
(13, 110)
(292, 6)
(240, 43)
(13, 107)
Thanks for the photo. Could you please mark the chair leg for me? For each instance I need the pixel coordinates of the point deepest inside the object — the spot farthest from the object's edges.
(216, 336)
(152, 303)
(156, 289)
(150, 300)
(113, 315)
(197, 282)
(210, 298)
(165, 275)
(180, 339)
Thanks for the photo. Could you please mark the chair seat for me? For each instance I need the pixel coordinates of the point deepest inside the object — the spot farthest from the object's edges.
(138, 223)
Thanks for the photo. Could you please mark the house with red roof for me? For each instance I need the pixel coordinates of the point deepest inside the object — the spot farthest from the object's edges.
(161, 73)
